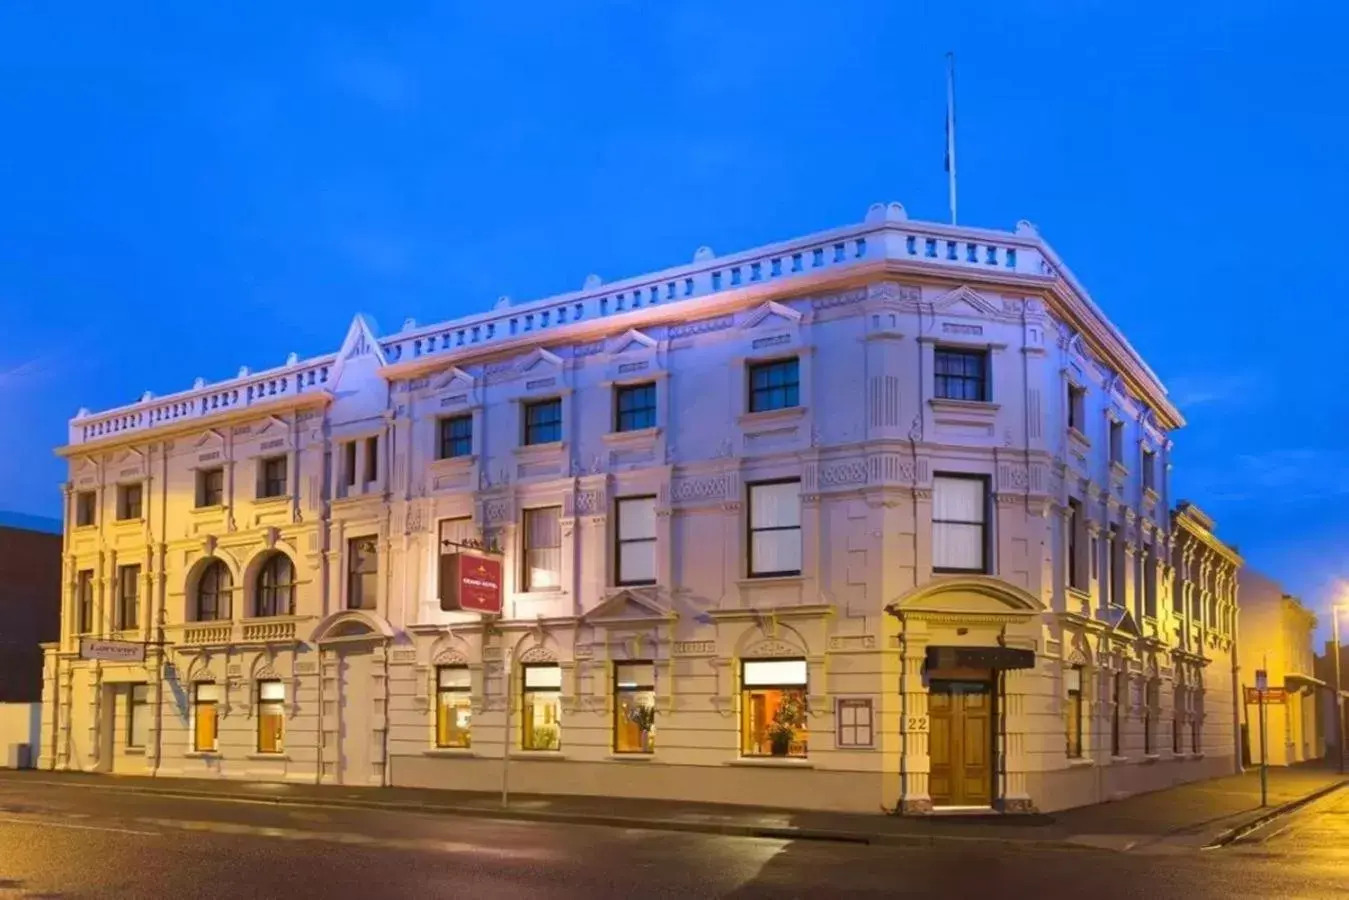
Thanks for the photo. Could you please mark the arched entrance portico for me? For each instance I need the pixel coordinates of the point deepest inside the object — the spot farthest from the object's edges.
(965, 642)
(353, 697)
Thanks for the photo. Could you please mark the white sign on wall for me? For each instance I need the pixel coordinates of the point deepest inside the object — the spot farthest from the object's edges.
(112, 651)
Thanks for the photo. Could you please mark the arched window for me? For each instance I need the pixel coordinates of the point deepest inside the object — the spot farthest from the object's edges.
(213, 592)
(276, 587)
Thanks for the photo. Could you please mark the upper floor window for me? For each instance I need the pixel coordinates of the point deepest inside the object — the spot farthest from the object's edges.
(1116, 442)
(276, 587)
(456, 437)
(959, 523)
(213, 592)
(128, 597)
(273, 477)
(543, 421)
(1076, 525)
(128, 501)
(961, 374)
(1116, 551)
(1149, 469)
(774, 385)
(84, 601)
(349, 462)
(1150, 575)
(636, 551)
(86, 502)
(775, 528)
(1077, 407)
(372, 458)
(635, 407)
(362, 573)
(210, 487)
(542, 549)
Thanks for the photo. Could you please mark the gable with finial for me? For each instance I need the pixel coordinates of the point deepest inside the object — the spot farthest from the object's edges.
(628, 607)
(359, 346)
(965, 301)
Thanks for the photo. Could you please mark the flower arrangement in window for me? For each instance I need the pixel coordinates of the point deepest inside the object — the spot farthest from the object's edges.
(788, 718)
(643, 716)
(546, 737)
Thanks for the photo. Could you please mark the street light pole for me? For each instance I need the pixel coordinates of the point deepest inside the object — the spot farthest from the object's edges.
(1339, 702)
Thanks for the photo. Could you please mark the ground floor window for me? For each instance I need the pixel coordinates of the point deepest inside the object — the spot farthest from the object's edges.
(454, 707)
(205, 724)
(1073, 724)
(542, 707)
(1195, 740)
(773, 707)
(634, 707)
(138, 715)
(1117, 714)
(271, 716)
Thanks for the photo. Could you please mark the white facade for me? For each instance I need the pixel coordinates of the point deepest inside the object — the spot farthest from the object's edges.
(789, 449)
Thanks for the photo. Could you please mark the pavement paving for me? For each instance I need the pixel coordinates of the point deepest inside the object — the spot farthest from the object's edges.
(68, 841)
(1185, 818)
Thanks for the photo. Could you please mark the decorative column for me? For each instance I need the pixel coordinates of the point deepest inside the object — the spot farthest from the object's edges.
(915, 764)
(1012, 722)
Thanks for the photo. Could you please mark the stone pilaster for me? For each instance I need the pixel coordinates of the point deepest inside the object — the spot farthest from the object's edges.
(914, 722)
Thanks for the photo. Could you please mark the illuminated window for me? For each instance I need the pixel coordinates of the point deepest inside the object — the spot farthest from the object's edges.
(213, 592)
(775, 529)
(276, 587)
(84, 600)
(210, 487)
(271, 716)
(86, 503)
(362, 573)
(773, 707)
(1073, 711)
(636, 537)
(454, 709)
(634, 707)
(456, 437)
(774, 385)
(205, 730)
(138, 715)
(541, 707)
(128, 597)
(542, 558)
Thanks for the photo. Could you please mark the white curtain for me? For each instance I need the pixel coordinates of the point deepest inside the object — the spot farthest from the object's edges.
(637, 539)
(958, 523)
(775, 526)
(543, 548)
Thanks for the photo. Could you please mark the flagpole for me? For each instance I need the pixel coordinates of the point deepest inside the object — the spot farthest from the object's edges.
(951, 130)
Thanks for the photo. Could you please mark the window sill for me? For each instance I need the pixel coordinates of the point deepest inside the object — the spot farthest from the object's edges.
(1118, 760)
(450, 463)
(636, 436)
(540, 594)
(539, 754)
(1151, 495)
(133, 751)
(1080, 762)
(1151, 757)
(79, 529)
(202, 754)
(215, 509)
(1118, 468)
(283, 757)
(549, 449)
(770, 416)
(277, 500)
(770, 580)
(124, 523)
(451, 752)
(631, 757)
(772, 762)
(1079, 438)
(946, 404)
(1078, 593)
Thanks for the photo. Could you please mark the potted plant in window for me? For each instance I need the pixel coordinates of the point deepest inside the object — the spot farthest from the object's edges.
(789, 716)
(546, 737)
(644, 717)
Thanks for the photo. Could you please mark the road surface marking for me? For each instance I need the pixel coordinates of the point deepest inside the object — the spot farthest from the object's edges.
(46, 824)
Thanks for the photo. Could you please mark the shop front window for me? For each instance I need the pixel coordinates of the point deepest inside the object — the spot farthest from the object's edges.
(634, 707)
(205, 699)
(271, 716)
(454, 708)
(1074, 712)
(542, 707)
(773, 707)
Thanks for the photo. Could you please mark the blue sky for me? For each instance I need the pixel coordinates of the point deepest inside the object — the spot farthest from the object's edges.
(190, 189)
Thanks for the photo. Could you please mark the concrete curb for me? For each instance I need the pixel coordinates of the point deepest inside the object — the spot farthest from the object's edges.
(1235, 834)
(723, 829)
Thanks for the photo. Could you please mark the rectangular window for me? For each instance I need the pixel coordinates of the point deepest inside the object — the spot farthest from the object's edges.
(1077, 407)
(1177, 710)
(271, 717)
(1150, 703)
(128, 501)
(1116, 551)
(774, 385)
(1117, 714)
(959, 523)
(86, 502)
(454, 707)
(855, 723)
(137, 715)
(1149, 584)
(634, 707)
(543, 422)
(128, 597)
(273, 480)
(205, 733)
(542, 707)
(636, 549)
(1149, 470)
(961, 374)
(84, 601)
(1116, 442)
(372, 458)
(773, 707)
(635, 407)
(542, 557)
(775, 529)
(457, 531)
(362, 573)
(456, 437)
(1076, 524)
(210, 487)
(1073, 724)
(1196, 725)
(349, 462)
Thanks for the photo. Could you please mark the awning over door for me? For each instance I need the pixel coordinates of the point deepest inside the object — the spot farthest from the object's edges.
(980, 658)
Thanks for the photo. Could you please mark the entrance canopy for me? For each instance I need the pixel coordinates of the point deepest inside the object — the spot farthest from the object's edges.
(980, 658)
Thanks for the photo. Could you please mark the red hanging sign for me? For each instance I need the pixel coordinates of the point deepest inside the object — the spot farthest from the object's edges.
(470, 583)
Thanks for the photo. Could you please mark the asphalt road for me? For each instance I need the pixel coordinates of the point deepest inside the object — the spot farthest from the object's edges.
(71, 842)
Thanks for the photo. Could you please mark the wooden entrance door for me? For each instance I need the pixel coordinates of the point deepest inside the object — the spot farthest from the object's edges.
(960, 743)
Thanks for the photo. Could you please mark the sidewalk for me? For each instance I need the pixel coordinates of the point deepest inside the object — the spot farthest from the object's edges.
(1187, 817)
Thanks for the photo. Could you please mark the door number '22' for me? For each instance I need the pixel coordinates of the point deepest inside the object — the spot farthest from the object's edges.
(916, 723)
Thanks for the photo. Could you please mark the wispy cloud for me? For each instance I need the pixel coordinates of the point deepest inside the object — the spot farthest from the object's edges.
(1276, 477)
(1218, 389)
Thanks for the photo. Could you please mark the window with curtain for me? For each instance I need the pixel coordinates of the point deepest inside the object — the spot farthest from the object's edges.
(634, 707)
(542, 557)
(213, 592)
(1073, 677)
(773, 707)
(205, 731)
(959, 523)
(271, 716)
(128, 597)
(454, 707)
(138, 715)
(459, 530)
(362, 573)
(84, 600)
(276, 587)
(775, 529)
(456, 436)
(636, 540)
(961, 374)
(541, 705)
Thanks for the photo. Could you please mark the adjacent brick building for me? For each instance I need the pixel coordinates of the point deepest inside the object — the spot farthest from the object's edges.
(30, 602)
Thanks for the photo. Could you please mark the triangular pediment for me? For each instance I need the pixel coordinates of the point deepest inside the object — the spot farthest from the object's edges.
(359, 346)
(273, 424)
(631, 605)
(452, 376)
(632, 341)
(770, 314)
(128, 457)
(540, 360)
(964, 301)
(210, 438)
